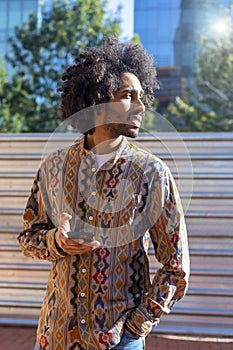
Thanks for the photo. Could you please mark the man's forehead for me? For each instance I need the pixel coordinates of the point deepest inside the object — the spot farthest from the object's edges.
(129, 82)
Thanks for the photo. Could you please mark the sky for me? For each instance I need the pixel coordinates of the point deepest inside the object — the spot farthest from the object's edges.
(127, 16)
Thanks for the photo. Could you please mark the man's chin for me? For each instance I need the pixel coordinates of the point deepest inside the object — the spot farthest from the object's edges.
(132, 132)
(124, 129)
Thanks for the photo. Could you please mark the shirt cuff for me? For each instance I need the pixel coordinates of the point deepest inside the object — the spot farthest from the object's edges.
(56, 252)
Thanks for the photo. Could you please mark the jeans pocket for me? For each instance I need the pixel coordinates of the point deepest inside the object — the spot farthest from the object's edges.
(130, 342)
(37, 347)
(130, 336)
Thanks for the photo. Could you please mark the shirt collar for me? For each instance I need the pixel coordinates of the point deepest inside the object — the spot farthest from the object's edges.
(121, 152)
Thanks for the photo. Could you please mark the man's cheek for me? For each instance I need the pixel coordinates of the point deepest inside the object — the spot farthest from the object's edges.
(119, 116)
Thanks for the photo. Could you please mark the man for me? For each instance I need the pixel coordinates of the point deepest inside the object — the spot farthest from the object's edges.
(99, 293)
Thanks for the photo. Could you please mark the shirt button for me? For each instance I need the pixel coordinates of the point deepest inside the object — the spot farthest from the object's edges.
(90, 217)
(82, 295)
(93, 193)
(93, 169)
(84, 270)
(83, 321)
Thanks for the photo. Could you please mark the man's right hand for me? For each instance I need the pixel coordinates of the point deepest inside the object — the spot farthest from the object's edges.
(69, 245)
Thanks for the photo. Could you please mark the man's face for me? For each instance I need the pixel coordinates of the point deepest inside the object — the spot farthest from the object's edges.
(124, 112)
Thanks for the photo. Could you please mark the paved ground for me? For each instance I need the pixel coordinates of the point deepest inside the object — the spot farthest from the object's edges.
(23, 338)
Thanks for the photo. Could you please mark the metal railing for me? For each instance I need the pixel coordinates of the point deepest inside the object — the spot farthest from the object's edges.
(202, 165)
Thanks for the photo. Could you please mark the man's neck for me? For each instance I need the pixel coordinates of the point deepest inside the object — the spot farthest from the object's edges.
(101, 144)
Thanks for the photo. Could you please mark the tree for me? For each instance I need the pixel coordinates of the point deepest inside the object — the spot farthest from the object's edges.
(4, 110)
(41, 50)
(191, 117)
(210, 103)
(13, 97)
(149, 119)
(8, 122)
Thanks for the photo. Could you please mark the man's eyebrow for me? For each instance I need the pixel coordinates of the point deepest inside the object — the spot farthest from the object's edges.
(132, 90)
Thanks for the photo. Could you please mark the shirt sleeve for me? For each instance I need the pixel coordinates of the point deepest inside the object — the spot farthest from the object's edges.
(37, 240)
(169, 238)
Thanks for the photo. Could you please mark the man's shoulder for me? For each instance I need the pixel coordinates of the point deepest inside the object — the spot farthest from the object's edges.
(141, 152)
(148, 161)
(59, 155)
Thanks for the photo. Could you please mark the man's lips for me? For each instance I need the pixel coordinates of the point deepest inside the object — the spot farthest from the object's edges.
(134, 120)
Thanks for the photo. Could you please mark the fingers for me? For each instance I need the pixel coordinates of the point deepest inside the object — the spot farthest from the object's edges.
(64, 224)
(64, 217)
(68, 245)
(74, 247)
(94, 244)
(77, 249)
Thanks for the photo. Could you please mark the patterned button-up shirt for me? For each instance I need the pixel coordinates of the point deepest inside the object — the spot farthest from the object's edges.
(93, 297)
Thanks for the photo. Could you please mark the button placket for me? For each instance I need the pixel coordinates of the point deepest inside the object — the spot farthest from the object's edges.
(82, 291)
(90, 184)
(91, 199)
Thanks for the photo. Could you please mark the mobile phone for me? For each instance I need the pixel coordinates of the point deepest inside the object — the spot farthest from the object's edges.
(86, 236)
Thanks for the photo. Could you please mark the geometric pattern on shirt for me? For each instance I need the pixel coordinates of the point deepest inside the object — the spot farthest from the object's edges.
(101, 265)
(159, 194)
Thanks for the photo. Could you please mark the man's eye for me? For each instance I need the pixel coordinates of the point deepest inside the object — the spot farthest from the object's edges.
(128, 96)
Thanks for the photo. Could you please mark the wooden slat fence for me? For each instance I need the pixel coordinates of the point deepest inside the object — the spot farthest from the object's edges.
(202, 164)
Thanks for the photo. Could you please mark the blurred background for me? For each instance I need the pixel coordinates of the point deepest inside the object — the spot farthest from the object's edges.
(192, 45)
(191, 42)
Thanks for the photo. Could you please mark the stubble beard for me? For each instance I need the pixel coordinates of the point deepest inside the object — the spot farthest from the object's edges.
(117, 129)
(121, 128)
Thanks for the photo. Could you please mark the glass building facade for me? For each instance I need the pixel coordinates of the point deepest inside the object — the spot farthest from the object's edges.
(13, 13)
(156, 22)
(170, 31)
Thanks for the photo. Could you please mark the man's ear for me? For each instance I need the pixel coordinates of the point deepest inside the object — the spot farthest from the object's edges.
(99, 113)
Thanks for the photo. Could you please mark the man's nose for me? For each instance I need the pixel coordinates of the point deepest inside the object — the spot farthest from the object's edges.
(138, 105)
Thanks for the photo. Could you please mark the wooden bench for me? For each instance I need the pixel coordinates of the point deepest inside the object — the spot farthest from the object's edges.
(202, 165)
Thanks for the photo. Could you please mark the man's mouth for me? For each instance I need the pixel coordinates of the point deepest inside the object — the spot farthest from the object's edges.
(134, 120)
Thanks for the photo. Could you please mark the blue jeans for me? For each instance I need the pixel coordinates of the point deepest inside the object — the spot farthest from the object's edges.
(127, 343)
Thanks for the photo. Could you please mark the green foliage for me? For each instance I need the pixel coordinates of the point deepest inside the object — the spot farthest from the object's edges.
(41, 50)
(210, 103)
(148, 121)
(188, 117)
(136, 39)
(8, 123)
